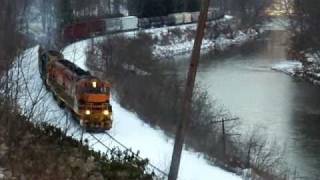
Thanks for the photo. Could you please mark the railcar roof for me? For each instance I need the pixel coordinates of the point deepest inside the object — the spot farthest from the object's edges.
(74, 68)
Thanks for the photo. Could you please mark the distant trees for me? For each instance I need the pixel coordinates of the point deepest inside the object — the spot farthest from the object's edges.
(11, 42)
(250, 11)
(151, 8)
(10, 38)
(306, 26)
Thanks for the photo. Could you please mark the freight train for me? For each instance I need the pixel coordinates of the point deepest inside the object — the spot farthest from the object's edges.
(85, 95)
(91, 28)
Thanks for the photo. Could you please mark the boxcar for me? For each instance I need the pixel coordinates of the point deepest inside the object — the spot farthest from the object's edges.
(187, 18)
(144, 23)
(156, 22)
(178, 18)
(195, 16)
(113, 24)
(129, 23)
(83, 30)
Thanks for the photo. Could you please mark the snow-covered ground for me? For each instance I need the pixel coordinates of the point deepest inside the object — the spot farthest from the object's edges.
(309, 71)
(288, 67)
(128, 128)
(183, 44)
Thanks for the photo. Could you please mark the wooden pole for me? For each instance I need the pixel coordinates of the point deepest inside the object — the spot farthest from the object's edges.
(224, 139)
(187, 99)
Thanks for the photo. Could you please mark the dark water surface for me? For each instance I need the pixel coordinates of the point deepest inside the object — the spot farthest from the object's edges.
(285, 109)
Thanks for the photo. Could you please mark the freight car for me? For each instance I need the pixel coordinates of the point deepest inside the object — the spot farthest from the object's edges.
(83, 30)
(100, 26)
(178, 18)
(91, 28)
(86, 96)
(121, 24)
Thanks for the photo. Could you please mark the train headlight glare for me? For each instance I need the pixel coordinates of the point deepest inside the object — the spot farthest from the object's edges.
(106, 112)
(88, 112)
(94, 84)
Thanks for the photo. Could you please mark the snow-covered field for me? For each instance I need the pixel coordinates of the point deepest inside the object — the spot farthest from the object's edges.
(128, 128)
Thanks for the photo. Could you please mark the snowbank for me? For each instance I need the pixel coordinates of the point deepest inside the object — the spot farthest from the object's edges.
(128, 128)
(183, 44)
(288, 67)
(221, 44)
(309, 71)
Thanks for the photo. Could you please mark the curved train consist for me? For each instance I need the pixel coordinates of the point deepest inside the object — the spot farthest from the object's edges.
(99, 26)
(86, 96)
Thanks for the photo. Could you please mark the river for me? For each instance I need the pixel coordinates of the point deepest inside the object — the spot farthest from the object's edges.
(282, 108)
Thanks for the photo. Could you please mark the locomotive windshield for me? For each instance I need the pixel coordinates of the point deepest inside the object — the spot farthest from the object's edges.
(95, 87)
(97, 90)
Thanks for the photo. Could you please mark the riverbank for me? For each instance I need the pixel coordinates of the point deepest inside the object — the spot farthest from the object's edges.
(184, 44)
(220, 35)
(307, 69)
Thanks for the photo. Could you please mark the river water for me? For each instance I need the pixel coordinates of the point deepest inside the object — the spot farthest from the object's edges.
(280, 107)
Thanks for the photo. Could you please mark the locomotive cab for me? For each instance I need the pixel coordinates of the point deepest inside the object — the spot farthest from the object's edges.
(93, 97)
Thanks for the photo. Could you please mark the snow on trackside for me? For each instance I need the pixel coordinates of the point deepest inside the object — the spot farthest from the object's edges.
(182, 44)
(288, 67)
(228, 17)
(127, 128)
(309, 70)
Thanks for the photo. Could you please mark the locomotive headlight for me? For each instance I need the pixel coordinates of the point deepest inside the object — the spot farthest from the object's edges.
(106, 112)
(88, 112)
(94, 84)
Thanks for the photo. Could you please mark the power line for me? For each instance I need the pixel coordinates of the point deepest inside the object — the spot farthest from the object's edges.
(128, 149)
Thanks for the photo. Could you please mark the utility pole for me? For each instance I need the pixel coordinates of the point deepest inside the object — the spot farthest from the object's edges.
(187, 99)
(224, 139)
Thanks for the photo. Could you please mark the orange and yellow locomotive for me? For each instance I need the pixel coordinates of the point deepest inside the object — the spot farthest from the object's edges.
(86, 96)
